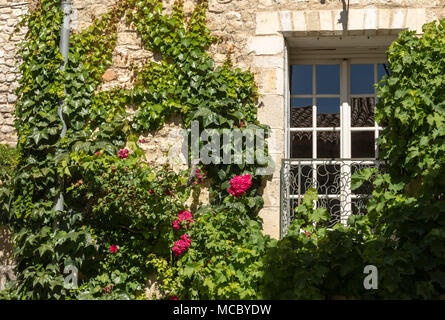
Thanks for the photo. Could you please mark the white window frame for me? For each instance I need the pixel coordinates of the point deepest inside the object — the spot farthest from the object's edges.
(344, 57)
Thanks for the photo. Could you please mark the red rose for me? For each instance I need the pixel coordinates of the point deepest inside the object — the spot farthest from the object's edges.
(113, 248)
(239, 185)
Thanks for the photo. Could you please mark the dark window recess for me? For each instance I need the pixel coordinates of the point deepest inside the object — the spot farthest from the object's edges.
(362, 112)
(328, 179)
(301, 144)
(328, 144)
(301, 113)
(362, 144)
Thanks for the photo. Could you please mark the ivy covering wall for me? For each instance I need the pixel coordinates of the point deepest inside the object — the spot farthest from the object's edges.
(125, 220)
(119, 211)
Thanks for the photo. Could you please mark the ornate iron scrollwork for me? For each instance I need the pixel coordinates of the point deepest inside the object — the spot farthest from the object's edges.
(331, 179)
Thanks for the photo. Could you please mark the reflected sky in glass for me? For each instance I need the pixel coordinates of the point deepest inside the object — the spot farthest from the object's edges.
(380, 72)
(362, 78)
(328, 79)
(328, 105)
(300, 102)
(301, 79)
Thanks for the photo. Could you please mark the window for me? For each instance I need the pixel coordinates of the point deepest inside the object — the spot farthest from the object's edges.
(331, 132)
(332, 110)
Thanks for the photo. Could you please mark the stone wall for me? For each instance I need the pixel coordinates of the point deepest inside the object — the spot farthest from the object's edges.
(10, 13)
(253, 30)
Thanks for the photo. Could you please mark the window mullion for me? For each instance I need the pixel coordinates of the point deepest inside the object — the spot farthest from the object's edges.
(345, 170)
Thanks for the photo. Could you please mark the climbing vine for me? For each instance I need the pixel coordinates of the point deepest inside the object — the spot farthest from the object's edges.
(118, 210)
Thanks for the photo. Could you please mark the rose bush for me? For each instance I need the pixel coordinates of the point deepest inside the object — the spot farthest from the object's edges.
(239, 185)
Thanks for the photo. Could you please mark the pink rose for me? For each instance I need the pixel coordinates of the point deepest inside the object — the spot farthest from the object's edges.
(180, 246)
(123, 153)
(239, 185)
(183, 216)
(176, 224)
(113, 248)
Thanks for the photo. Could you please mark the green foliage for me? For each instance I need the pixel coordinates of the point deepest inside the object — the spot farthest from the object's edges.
(225, 258)
(107, 199)
(403, 232)
(7, 162)
(413, 105)
(313, 262)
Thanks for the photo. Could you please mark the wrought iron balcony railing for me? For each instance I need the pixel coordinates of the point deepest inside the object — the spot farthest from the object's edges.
(332, 180)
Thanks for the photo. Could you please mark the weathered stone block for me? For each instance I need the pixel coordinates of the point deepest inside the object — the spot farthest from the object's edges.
(286, 20)
(370, 20)
(355, 21)
(312, 21)
(271, 193)
(415, 19)
(12, 98)
(267, 23)
(266, 45)
(6, 129)
(109, 75)
(268, 61)
(326, 23)
(384, 21)
(398, 20)
(276, 141)
(267, 80)
(271, 221)
(298, 21)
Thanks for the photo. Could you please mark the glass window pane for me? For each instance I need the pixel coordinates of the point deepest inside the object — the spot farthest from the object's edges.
(328, 144)
(301, 144)
(328, 79)
(362, 78)
(362, 144)
(301, 113)
(362, 112)
(328, 112)
(301, 82)
(381, 72)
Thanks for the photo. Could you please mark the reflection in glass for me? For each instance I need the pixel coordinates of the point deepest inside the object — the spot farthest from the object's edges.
(301, 82)
(362, 78)
(301, 144)
(381, 72)
(328, 112)
(328, 79)
(362, 144)
(301, 113)
(328, 144)
(362, 112)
